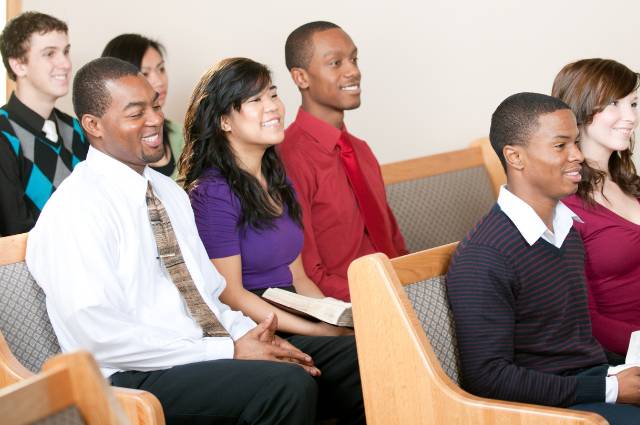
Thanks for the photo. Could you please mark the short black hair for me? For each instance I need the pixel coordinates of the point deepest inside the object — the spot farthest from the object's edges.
(131, 48)
(90, 94)
(16, 35)
(298, 48)
(516, 118)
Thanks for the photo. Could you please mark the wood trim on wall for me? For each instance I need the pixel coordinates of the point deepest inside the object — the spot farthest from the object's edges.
(14, 8)
(431, 165)
(492, 163)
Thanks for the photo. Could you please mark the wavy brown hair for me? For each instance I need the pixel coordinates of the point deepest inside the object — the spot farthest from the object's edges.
(588, 86)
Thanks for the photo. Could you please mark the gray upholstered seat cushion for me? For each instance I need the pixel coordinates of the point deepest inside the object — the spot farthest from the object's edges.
(429, 300)
(23, 317)
(440, 209)
(69, 416)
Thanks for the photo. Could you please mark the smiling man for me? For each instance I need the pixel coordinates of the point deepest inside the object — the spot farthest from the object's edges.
(516, 282)
(117, 253)
(39, 145)
(336, 176)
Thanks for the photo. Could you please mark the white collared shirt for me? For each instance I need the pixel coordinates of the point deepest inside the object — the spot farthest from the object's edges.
(532, 228)
(94, 254)
(529, 223)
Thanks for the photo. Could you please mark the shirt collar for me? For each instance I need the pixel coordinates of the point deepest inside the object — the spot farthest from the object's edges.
(26, 116)
(530, 225)
(323, 132)
(131, 184)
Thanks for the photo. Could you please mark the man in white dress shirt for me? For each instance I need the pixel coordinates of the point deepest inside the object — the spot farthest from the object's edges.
(94, 254)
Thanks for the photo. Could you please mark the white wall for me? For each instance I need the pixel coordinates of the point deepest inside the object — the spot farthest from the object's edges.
(433, 71)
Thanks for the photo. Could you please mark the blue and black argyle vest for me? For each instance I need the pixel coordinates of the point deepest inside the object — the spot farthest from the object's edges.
(43, 164)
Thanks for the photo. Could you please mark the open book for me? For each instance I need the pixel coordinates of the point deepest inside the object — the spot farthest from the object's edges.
(328, 310)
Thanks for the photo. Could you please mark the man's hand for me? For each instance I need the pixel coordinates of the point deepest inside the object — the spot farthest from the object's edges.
(629, 386)
(261, 343)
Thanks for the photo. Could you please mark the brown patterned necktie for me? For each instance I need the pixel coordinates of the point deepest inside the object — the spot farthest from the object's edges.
(171, 258)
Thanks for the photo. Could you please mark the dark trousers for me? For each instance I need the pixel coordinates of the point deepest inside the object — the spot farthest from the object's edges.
(616, 414)
(259, 392)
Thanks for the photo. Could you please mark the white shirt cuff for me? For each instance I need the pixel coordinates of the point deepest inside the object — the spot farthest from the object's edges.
(217, 348)
(611, 389)
(241, 327)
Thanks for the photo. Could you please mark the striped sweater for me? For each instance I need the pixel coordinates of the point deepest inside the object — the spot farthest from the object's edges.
(521, 316)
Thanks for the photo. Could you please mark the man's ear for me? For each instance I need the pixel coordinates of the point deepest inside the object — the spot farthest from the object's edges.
(18, 66)
(92, 125)
(300, 78)
(514, 156)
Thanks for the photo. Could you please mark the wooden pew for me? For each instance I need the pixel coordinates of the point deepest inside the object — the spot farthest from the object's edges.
(407, 350)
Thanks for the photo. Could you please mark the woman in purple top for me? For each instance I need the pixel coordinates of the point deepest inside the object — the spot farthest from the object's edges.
(603, 96)
(245, 207)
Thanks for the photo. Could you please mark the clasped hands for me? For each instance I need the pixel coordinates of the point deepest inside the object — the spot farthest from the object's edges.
(261, 343)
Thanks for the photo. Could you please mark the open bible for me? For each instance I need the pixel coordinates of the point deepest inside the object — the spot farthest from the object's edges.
(328, 309)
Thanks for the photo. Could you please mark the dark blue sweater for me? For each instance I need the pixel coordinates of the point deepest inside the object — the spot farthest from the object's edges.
(521, 317)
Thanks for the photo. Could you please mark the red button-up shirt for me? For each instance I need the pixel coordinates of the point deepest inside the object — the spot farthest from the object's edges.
(334, 230)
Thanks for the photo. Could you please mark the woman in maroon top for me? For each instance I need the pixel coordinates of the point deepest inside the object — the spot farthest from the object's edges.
(603, 96)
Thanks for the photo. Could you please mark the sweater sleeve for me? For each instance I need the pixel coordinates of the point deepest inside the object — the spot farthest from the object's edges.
(15, 214)
(482, 290)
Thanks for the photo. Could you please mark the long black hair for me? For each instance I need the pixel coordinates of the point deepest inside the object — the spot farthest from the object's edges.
(227, 85)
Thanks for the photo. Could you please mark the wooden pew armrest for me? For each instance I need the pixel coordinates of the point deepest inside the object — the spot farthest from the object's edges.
(141, 407)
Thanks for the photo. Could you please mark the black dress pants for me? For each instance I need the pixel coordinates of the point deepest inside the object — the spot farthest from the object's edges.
(340, 393)
(259, 392)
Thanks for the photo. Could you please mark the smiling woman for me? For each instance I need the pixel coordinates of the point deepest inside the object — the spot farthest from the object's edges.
(245, 207)
(603, 96)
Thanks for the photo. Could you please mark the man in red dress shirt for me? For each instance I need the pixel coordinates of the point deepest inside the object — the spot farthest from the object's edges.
(335, 174)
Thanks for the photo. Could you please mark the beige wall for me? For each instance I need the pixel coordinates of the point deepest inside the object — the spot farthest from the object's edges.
(433, 71)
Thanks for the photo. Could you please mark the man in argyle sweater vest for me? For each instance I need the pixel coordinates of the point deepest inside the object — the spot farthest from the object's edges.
(39, 145)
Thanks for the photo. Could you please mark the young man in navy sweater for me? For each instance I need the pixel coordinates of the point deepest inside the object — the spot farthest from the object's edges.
(516, 283)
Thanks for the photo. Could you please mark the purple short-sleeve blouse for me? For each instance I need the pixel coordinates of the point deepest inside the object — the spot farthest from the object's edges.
(266, 253)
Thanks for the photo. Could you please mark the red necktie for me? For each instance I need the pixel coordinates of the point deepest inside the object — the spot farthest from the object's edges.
(369, 208)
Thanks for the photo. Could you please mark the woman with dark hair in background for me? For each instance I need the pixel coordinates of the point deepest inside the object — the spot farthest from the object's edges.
(148, 56)
(249, 220)
(603, 95)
